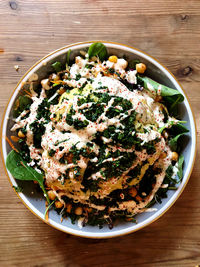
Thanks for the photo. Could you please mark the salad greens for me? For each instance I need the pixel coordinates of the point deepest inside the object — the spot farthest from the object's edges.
(176, 131)
(57, 66)
(172, 183)
(132, 63)
(68, 57)
(18, 167)
(23, 103)
(180, 167)
(171, 96)
(98, 49)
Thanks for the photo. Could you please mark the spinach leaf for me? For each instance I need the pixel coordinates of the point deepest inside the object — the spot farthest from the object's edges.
(173, 142)
(171, 123)
(22, 103)
(176, 131)
(169, 172)
(18, 167)
(178, 128)
(165, 91)
(98, 49)
(168, 177)
(171, 96)
(180, 167)
(57, 66)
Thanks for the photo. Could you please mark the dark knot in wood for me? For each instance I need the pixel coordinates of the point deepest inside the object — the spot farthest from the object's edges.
(13, 5)
(186, 71)
(184, 17)
(18, 58)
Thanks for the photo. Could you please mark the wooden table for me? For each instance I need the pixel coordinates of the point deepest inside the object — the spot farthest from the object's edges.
(168, 30)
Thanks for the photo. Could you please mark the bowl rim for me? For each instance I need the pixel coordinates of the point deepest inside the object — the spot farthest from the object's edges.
(168, 204)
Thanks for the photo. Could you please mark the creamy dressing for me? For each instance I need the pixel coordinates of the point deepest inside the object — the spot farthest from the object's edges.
(131, 76)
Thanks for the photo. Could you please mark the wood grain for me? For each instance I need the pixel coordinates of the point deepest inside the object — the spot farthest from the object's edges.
(168, 30)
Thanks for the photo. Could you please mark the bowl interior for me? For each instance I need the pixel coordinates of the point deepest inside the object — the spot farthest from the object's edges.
(156, 72)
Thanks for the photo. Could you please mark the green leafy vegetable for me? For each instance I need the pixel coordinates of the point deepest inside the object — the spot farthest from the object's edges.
(151, 203)
(18, 167)
(167, 125)
(68, 56)
(38, 130)
(171, 96)
(132, 63)
(170, 123)
(57, 66)
(177, 130)
(178, 100)
(165, 91)
(22, 103)
(18, 189)
(162, 192)
(173, 142)
(98, 49)
(169, 173)
(49, 206)
(180, 167)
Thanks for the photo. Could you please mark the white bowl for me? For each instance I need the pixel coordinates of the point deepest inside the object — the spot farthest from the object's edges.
(155, 70)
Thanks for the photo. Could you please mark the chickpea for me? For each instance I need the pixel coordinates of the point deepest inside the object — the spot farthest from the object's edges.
(133, 191)
(113, 59)
(51, 195)
(58, 204)
(141, 67)
(174, 156)
(20, 134)
(78, 211)
(69, 207)
(121, 64)
(163, 155)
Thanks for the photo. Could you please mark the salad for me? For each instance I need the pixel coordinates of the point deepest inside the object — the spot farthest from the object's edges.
(99, 137)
